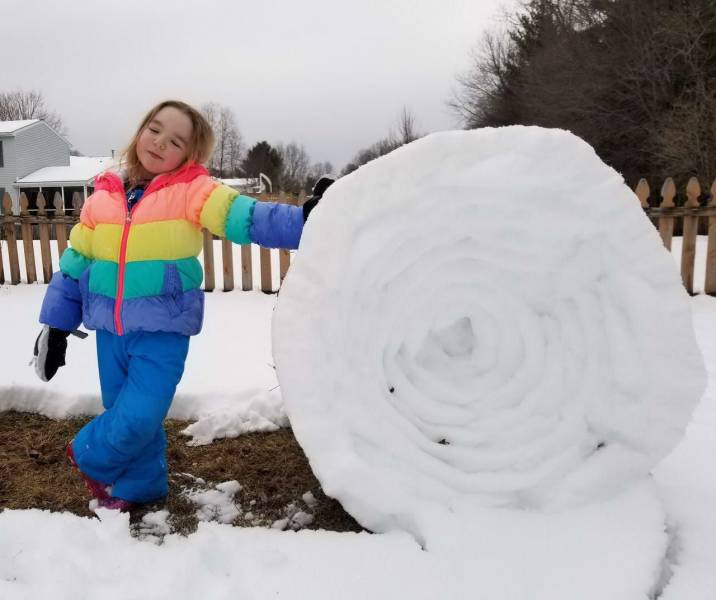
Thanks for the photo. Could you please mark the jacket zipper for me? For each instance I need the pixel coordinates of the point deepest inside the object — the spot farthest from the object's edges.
(122, 264)
(155, 185)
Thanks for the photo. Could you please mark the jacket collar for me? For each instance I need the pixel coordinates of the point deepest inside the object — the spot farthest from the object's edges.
(112, 181)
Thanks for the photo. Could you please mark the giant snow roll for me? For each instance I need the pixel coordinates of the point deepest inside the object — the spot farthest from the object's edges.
(483, 318)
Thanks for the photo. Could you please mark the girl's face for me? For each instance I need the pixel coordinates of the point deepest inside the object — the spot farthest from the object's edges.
(163, 144)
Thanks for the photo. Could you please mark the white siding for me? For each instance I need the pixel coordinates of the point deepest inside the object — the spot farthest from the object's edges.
(39, 146)
(8, 172)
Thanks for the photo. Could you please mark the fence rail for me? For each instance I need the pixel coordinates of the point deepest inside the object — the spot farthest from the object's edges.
(52, 223)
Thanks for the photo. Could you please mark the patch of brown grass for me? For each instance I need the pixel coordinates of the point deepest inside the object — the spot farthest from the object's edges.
(271, 468)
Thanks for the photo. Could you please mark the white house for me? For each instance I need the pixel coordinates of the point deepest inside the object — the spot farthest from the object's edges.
(77, 177)
(34, 158)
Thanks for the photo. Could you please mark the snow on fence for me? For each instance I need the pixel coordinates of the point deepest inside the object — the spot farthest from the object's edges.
(21, 234)
(18, 229)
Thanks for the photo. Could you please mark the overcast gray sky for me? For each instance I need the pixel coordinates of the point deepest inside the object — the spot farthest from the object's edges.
(332, 75)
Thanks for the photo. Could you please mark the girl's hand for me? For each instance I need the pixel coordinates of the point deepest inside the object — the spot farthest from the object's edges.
(318, 190)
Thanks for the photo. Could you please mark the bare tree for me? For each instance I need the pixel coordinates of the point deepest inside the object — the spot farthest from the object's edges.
(234, 153)
(211, 110)
(684, 133)
(315, 172)
(486, 93)
(228, 148)
(19, 105)
(406, 127)
(295, 161)
(634, 79)
(406, 133)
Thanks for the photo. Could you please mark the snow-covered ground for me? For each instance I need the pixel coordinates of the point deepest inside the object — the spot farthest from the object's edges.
(226, 387)
(687, 480)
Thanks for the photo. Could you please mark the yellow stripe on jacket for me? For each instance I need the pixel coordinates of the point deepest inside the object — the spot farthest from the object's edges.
(162, 240)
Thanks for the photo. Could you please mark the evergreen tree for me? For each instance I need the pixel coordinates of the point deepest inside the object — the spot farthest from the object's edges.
(263, 158)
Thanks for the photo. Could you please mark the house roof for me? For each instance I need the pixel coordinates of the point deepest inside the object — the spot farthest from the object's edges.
(253, 184)
(10, 127)
(81, 171)
(241, 182)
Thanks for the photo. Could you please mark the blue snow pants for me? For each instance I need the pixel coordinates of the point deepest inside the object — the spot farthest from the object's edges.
(125, 446)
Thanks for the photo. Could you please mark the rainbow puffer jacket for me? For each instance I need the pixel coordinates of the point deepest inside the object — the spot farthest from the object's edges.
(137, 270)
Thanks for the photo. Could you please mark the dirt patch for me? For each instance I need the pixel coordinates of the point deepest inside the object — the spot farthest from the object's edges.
(271, 468)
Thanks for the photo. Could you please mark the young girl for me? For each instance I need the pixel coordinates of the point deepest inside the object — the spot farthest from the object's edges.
(132, 274)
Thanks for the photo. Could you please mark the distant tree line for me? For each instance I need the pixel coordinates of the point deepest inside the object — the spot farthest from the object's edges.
(635, 79)
(288, 166)
(405, 133)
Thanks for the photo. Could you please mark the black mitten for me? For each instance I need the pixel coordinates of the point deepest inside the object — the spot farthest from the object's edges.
(317, 193)
(49, 352)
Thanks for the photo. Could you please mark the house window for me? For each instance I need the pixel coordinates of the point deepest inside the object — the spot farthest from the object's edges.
(2, 163)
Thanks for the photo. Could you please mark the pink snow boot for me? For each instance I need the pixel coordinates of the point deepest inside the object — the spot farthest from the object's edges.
(116, 504)
(95, 488)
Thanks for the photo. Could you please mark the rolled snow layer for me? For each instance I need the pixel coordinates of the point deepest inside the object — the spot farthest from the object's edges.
(483, 318)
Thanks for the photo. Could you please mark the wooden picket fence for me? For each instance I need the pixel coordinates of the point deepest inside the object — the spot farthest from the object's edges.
(665, 215)
(52, 224)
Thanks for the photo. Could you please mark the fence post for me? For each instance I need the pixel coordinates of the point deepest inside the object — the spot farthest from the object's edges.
(247, 280)
(209, 280)
(227, 258)
(284, 262)
(78, 202)
(642, 192)
(44, 228)
(710, 283)
(666, 224)
(691, 225)
(60, 228)
(265, 258)
(11, 239)
(284, 256)
(27, 242)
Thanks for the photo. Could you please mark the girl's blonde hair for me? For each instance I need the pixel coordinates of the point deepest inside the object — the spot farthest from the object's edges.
(199, 147)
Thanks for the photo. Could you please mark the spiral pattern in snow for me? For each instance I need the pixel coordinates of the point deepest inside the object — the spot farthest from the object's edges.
(483, 318)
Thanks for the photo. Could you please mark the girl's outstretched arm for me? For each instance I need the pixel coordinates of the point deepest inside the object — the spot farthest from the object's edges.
(242, 219)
